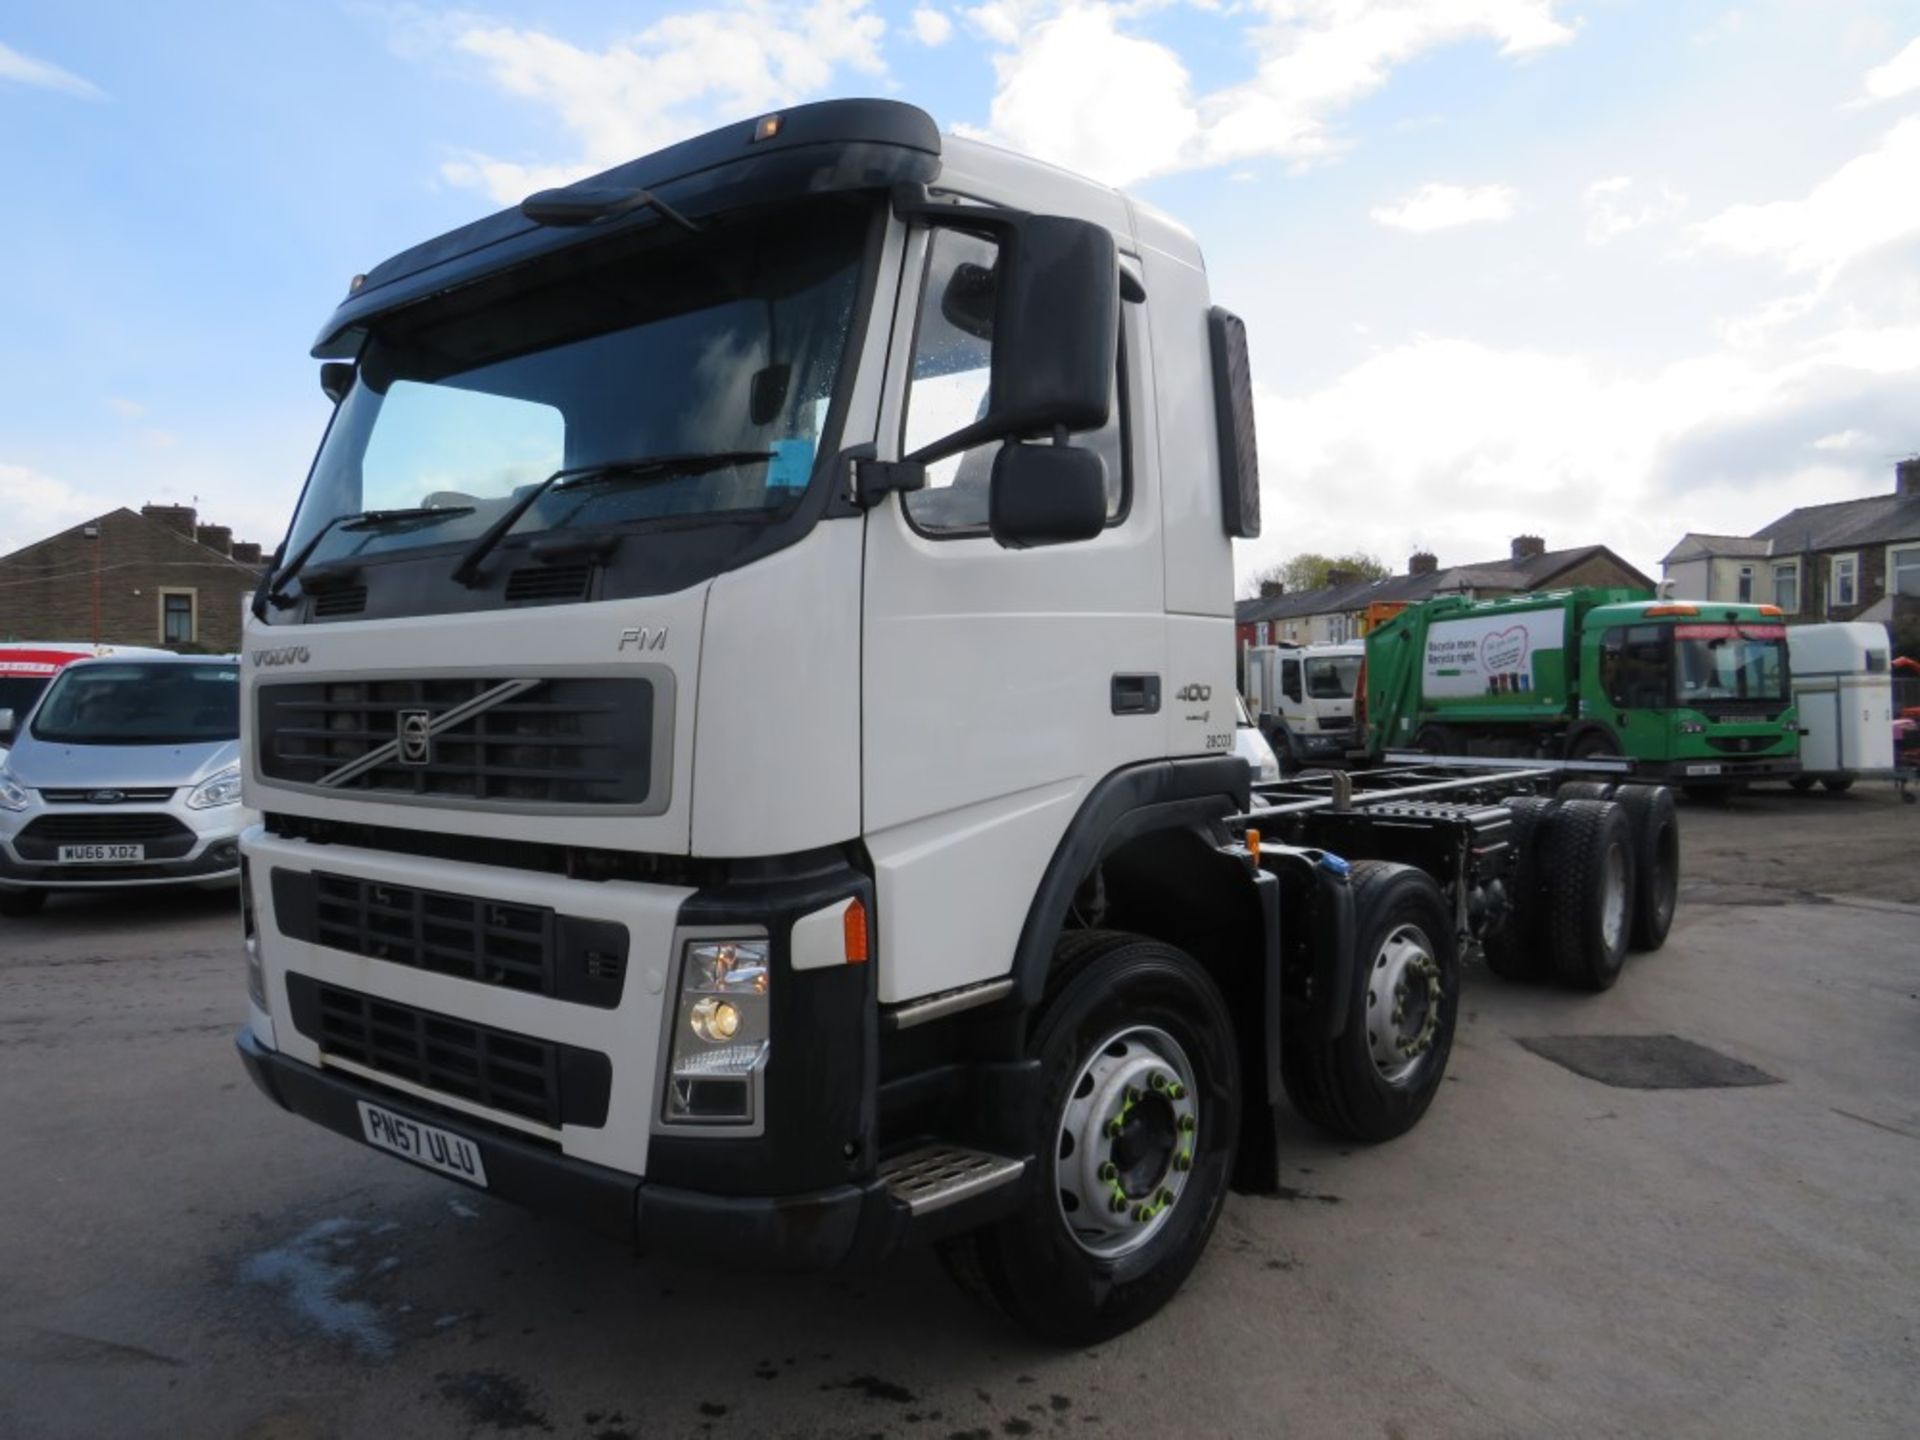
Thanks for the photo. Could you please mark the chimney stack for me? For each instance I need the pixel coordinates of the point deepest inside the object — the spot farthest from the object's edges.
(178, 518)
(1525, 547)
(1272, 589)
(1906, 476)
(215, 537)
(247, 552)
(1422, 562)
(1337, 578)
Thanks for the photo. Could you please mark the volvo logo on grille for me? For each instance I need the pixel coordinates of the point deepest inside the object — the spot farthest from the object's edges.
(416, 737)
(105, 797)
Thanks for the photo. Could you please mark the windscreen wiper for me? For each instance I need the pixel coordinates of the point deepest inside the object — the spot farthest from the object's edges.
(643, 469)
(276, 591)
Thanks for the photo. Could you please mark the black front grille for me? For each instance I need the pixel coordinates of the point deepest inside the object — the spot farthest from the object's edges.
(1742, 744)
(165, 837)
(547, 584)
(556, 741)
(93, 797)
(537, 1079)
(517, 947)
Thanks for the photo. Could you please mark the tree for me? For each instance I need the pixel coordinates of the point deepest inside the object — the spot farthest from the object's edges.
(1310, 571)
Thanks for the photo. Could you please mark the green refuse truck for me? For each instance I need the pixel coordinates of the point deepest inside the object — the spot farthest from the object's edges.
(1696, 693)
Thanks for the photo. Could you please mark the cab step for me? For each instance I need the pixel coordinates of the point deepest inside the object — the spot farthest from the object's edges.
(936, 1176)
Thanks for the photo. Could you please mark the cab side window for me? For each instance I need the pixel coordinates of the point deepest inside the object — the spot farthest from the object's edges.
(948, 386)
(1633, 667)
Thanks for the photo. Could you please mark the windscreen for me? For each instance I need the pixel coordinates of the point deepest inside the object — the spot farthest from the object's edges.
(1730, 662)
(141, 704)
(1333, 677)
(18, 692)
(729, 342)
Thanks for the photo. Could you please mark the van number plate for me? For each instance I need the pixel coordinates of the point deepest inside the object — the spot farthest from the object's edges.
(101, 854)
(426, 1145)
(1703, 769)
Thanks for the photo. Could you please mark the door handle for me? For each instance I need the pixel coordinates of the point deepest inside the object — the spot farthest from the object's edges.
(1136, 694)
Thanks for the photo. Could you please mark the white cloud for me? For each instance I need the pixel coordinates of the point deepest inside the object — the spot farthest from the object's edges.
(45, 75)
(1083, 94)
(126, 409)
(1622, 204)
(1076, 88)
(38, 505)
(1445, 207)
(1897, 77)
(1871, 201)
(682, 74)
(932, 27)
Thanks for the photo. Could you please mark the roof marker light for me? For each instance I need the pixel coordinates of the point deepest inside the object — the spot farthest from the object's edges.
(1655, 611)
(765, 128)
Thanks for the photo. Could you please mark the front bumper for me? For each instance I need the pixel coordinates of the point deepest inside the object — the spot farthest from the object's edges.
(210, 855)
(1725, 770)
(826, 1228)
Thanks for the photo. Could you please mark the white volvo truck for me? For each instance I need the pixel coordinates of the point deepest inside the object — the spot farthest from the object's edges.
(743, 724)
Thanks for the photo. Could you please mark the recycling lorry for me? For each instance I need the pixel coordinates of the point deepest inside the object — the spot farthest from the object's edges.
(1301, 697)
(1693, 692)
(743, 722)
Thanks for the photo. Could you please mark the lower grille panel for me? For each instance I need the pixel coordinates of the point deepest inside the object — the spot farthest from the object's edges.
(538, 1080)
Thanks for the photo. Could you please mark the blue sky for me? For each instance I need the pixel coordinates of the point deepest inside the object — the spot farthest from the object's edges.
(1603, 270)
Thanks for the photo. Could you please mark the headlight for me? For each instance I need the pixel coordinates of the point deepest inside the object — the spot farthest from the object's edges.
(12, 795)
(1269, 767)
(221, 789)
(720, 1032)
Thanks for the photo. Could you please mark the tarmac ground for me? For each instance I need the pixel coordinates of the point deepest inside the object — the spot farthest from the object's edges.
(1546, 1254)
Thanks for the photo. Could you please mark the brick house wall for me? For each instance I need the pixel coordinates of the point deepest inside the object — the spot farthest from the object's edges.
(47, 589)
(1601, 570)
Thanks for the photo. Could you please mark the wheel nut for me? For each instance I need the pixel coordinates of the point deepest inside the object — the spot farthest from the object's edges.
(1118, 1204)
(1113, 1128)
(1166, 1197)
(1183, 1163)
(1109, 1171)
(1176, 1091)
(1186, 1124)
(1157, 1081)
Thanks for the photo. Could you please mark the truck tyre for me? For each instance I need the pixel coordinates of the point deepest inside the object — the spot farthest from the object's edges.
(1516, 947)
(1589, 885)
(1838, 784)
(1135, 1137)
(1802, 783)
(1438, 740)
(1592, 743)
(1585, 790)
(18, 904)
(1376, 1078)
(1655, 824)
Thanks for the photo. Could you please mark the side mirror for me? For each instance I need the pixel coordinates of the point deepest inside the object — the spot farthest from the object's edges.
(6, 726)
(1056, 327)
(336, 378)
(1046, 495)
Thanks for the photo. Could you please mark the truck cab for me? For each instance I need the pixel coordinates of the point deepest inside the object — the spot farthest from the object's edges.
(1302, 697)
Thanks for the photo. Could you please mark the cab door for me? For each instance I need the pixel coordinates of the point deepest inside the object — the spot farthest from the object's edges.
(998, 685)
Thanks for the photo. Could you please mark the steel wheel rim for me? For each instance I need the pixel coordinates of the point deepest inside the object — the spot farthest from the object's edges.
(1403, 1003)
(1126, 1141)
(1613, 909)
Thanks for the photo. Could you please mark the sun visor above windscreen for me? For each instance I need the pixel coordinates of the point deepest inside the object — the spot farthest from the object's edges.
(835, 145)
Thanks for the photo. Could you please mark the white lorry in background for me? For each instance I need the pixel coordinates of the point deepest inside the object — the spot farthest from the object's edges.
(1301, 697)
(1842, 682)
(744, 728)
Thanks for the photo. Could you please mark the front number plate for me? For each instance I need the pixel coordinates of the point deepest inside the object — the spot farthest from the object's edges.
(1703, 769)
(426, 1145)
(101, 854)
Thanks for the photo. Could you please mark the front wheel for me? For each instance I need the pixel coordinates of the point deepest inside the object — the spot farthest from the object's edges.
(1134, 1136)
(1838, 784)
(18, 904)
(1376, 1078)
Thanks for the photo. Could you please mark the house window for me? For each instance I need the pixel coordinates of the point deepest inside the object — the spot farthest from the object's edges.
(1844, 589)
(176, 617)
(1261, 633)
(1786, 586)
(1745, 595)
(1903, 569)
